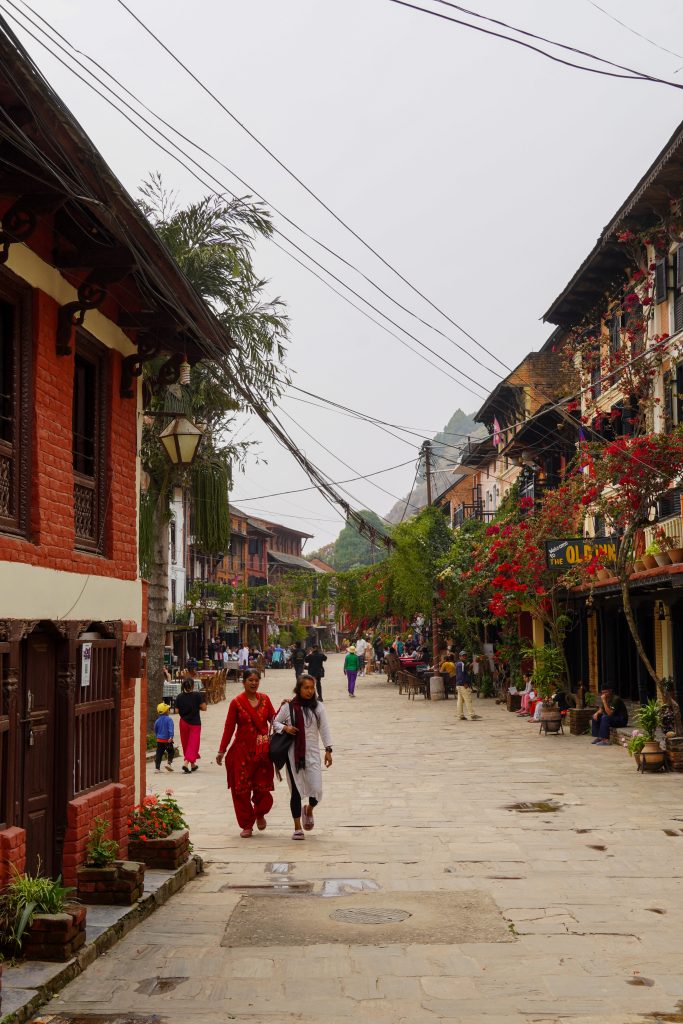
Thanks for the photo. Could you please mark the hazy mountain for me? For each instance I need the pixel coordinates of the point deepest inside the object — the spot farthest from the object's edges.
(446, 447)
(351, 548)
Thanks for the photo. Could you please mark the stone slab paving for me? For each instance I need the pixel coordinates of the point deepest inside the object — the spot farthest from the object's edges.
(589, 896)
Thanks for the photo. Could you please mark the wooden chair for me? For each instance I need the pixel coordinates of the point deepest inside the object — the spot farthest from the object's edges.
(417, 684)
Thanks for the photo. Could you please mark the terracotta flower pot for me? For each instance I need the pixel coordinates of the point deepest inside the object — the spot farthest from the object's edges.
(676, 555)
(662, 559)
(640, 565)
(652, 756)
(649, 562)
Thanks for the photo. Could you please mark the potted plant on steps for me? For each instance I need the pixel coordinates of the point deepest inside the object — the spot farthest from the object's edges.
(103, 879)
(158, 833)
(38, 919)
(649, 720)
(549, 668)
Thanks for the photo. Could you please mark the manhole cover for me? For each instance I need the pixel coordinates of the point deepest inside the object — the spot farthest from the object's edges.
(355, 915)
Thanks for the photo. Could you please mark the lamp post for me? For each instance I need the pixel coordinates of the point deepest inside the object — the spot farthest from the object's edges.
(181, 440)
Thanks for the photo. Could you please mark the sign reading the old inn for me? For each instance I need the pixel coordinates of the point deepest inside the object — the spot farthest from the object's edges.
(564, 554)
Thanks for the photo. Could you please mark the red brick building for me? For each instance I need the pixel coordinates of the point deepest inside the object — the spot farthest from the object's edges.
(87, 295)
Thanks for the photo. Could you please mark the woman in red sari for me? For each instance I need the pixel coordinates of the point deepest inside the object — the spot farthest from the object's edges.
(250, 771)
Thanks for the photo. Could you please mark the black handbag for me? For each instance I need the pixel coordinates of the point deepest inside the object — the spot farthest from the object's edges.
(280, 742)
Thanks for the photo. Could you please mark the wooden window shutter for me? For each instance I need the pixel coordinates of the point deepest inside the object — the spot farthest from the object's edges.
(679, 266)
(668, 400)
(660, 280)
(615, 333)
(678, 397)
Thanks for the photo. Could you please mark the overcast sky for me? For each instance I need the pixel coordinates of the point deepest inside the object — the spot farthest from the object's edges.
(481, 171)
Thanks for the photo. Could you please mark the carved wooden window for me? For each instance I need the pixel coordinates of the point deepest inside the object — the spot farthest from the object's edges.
(96, 712)
(89, 418)
(15, 364)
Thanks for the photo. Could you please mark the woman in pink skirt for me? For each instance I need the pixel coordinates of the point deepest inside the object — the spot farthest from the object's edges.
(188, 705)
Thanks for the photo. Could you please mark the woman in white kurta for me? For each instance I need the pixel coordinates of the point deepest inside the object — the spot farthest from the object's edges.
(305, 719)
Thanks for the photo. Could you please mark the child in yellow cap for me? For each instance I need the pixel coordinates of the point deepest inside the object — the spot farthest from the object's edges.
(164, 730)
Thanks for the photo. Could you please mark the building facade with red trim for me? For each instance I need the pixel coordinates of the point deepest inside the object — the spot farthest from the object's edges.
(87, 295)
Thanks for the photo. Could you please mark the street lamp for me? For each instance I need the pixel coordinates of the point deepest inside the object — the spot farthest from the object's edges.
(181, 440)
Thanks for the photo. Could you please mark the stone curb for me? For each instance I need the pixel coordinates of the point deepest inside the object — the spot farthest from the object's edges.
(138, 913)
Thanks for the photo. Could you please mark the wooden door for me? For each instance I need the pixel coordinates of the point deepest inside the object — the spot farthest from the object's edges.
(38, 750)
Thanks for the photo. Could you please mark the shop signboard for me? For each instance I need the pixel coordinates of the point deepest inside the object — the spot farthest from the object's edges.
(569, 552)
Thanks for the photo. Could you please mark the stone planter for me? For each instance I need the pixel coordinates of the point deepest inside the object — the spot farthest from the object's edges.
(120, 883)
(162, 854)
(580, 720)
(676, 555)
(55, 936)
(662, 559)
(674, 753)
(649, 562)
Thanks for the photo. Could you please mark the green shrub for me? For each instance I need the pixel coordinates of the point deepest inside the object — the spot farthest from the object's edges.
(100, 851)
(24, 897)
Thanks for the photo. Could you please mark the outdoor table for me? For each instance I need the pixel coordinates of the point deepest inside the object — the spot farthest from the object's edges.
(171, 690)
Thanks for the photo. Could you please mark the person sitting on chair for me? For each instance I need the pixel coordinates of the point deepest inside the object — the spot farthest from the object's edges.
(612, 714)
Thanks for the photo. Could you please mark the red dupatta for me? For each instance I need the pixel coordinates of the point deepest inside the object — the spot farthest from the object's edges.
(259, 722)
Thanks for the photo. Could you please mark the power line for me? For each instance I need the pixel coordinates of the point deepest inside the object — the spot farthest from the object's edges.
(300, 490)
(635, 32)
(302, 184)
(417, 473)
(633, 75)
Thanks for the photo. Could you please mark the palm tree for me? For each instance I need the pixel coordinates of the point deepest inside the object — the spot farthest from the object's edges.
(212, 241)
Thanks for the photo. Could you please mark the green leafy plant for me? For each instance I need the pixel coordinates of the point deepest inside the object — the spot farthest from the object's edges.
(635, 743)
(100, 851)
(24, 897)
(649, 718)
(549, 669)
(653, 548)
(155, 818)
(589, 699)
(151, 741)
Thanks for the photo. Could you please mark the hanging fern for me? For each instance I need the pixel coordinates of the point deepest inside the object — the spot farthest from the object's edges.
(211, 519)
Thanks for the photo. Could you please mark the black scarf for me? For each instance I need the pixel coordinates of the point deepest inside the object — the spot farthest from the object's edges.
(301, 709)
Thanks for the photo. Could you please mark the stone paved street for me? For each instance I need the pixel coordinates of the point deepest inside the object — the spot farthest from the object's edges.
(572, 915)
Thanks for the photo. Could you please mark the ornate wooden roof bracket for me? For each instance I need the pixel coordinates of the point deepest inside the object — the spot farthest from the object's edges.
(21, 218)
(149, 346)
(91, 294)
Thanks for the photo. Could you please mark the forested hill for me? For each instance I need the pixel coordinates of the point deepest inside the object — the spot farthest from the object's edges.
(351, 549)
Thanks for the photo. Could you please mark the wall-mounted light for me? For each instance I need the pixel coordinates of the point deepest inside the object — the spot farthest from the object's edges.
(661, 611)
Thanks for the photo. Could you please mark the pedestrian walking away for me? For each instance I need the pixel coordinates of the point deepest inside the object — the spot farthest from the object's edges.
(249, 769)
(304, 770)
(462, 685)
(361, 644)
(188, 705)
(298, 658)
(351, 665)
(243, 657)
(164, 731)
(315, 665)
